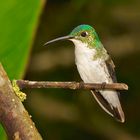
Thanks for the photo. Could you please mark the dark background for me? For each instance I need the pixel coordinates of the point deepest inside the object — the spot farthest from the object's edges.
(62, 114)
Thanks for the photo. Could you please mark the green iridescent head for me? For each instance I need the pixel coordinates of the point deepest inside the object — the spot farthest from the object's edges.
(84, 33)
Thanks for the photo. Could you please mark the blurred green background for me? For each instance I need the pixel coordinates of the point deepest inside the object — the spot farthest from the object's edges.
(61, 114)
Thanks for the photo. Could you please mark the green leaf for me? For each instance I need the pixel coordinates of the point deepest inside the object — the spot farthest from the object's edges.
(18, 23)
(2, 133)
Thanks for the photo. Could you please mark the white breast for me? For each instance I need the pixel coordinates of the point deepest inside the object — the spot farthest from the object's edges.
(90, 70)
(93, 71)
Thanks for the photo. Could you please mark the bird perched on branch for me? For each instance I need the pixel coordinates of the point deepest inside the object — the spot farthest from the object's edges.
(95, 66)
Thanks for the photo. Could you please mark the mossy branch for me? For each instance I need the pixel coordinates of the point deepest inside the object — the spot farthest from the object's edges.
(13, 116)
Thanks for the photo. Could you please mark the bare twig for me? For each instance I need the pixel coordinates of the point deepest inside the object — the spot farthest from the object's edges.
(70, 85)
(13, 116)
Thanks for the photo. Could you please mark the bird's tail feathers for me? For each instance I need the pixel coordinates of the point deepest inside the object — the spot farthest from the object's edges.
(114, 111)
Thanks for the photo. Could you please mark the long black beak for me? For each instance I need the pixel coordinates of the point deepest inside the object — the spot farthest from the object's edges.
(57, 39)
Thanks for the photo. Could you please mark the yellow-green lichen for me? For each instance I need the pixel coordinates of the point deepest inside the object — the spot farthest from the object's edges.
(19, 94)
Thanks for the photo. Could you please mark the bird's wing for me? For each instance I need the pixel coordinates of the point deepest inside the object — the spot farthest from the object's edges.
(111, 69)
(105, 100)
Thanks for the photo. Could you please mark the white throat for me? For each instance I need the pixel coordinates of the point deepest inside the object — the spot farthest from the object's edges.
(82, 51)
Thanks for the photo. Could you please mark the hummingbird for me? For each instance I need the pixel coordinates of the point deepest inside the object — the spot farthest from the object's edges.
(95, 65)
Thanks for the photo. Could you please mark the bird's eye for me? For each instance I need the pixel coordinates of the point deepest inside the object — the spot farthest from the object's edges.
(84, 34)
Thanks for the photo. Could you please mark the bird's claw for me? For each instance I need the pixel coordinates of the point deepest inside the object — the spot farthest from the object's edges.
(103, 85)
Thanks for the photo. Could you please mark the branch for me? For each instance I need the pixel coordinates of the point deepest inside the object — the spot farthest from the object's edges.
(70, 85)
(13, 116)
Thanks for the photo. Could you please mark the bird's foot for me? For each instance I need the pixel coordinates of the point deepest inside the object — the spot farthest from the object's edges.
(81, 84)
(103, 85)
